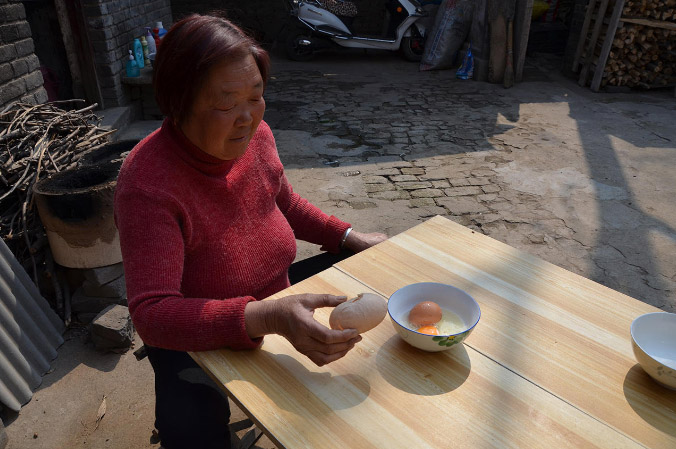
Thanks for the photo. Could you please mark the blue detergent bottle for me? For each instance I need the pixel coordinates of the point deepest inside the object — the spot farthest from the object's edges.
(132, 68)
(138, 53)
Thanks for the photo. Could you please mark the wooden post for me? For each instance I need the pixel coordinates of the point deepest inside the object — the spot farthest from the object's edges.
(522, 19)
(589, 56)
(607, 43)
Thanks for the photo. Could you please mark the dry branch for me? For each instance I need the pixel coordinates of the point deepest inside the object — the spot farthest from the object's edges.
(36, 141)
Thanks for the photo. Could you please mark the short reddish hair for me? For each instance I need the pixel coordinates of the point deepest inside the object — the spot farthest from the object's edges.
(188, 52)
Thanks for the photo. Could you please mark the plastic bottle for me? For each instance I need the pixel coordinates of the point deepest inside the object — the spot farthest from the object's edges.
(160, 30)
(132, 68)
(138, 53)
(152, 48)
(156, 37)
(144, 45)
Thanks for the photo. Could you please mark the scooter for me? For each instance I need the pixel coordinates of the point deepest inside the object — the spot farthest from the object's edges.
(314, 28)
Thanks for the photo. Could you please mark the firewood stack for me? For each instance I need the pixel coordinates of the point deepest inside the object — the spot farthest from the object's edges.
(643, 53)
(626, 44)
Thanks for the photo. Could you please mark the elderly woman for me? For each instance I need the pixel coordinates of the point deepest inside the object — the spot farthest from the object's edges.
(208, 225)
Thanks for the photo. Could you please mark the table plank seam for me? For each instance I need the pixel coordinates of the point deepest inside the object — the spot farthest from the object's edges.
(514, 372)
(555, 395)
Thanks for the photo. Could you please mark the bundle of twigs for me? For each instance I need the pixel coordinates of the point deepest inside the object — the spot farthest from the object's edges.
(35, 141)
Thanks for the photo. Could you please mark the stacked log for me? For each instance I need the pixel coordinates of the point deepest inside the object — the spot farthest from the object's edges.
(650, 9)
(641, 56)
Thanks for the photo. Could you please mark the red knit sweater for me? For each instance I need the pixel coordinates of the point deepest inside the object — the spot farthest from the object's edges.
(202, 237)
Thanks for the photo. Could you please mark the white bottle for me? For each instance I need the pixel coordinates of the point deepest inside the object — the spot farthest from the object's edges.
(151, 41)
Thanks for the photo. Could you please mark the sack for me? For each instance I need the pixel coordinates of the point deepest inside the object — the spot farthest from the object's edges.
(451, 27)
(340, 7)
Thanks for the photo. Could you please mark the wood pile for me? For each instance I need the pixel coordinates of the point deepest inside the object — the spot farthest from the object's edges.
(650, 9)
(632, 44)
(643, 53)
(35, 141)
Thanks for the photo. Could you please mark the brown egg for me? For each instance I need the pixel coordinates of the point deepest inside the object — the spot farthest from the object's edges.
(424, 314)
(363, 313)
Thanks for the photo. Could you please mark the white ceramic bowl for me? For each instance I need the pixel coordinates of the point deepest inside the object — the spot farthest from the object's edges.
(653, 338)
(448, 297)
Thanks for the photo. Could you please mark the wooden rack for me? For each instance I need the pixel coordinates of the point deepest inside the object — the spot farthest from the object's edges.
(627, 43)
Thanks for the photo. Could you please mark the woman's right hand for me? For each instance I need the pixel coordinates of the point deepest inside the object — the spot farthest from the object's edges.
(293, 318)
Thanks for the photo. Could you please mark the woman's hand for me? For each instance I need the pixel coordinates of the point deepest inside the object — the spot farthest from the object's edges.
(358, 241)
(293, 318)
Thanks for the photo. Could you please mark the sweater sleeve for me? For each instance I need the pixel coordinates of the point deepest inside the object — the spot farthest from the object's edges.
(153, 228)
(308, 222)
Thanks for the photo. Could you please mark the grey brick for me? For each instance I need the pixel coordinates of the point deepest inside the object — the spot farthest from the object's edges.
(373, 188)
(422, 202)
(391, 195)
(19, 67)
(9, 33)
(6, 73)
(7, 52)
(463, 191)
(413, 171)
(13, 12)
(403, 178)
(24, 47)
(462, 205)
(387, 172)
(104, 45)
(104, 275)
(40, 96)
(112, 329)
(478, 181)
(427, 193)
(487, 197)
(33, 62)
(81, 303)
(414, 185)
(370, 179)
(100, 35)
(12, 90)
(492, 188)
(100, 22)
(34, 80)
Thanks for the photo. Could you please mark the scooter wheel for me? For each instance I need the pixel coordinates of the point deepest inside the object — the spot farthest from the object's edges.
(296, 51)
(412, 48)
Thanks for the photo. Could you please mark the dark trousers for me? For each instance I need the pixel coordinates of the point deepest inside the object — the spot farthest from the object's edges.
(191, 411)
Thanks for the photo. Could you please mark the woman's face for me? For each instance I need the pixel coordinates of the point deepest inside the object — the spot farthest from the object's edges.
(227, 109)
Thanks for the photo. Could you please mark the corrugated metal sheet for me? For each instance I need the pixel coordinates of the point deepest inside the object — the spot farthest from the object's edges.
(30, 332)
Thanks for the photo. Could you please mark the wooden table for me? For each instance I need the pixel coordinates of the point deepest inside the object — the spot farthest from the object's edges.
(549, 365)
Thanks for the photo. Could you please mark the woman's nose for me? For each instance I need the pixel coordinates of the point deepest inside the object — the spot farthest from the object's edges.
(244, 117)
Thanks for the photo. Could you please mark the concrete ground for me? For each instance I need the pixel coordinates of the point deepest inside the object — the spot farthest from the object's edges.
(585, 181)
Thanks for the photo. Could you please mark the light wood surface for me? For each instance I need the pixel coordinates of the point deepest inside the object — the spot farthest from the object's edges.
(565, 333)
(548, 366)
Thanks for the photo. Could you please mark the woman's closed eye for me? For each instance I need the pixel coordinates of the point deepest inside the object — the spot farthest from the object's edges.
(225, 108)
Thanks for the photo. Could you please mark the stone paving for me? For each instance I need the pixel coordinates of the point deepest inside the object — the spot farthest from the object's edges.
(578, 179)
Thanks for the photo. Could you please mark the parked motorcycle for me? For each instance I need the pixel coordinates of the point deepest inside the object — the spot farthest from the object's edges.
(314, 28)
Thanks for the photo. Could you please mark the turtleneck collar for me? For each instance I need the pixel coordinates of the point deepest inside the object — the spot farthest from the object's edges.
(193, 155)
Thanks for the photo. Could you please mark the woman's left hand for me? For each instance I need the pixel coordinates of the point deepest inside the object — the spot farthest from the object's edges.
(358, 241)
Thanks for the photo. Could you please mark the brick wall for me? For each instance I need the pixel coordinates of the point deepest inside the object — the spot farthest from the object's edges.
(112, 27)
(20, 78)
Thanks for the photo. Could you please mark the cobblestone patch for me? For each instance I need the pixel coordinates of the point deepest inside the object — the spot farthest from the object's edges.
(481, 156)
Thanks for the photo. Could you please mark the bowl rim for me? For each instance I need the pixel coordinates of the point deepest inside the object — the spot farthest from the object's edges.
(435, 283)
(633, 336)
